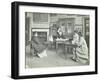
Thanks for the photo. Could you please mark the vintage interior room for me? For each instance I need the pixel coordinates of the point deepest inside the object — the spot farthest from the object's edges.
(46, 25)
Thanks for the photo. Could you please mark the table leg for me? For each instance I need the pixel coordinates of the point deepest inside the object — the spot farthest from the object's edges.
(65, 51)
(56, 47)
(75, 54)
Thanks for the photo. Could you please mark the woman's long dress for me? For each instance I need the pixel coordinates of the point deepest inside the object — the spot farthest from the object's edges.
(75, 42)
(82, 50)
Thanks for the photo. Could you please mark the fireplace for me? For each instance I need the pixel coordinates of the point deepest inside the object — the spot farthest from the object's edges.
(42, 33)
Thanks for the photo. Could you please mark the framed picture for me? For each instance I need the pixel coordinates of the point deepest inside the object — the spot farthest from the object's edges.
(50, 40)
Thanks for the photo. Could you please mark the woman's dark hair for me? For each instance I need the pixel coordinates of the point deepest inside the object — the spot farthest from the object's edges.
(80, 34)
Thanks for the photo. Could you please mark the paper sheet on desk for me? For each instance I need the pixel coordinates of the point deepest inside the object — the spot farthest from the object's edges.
(62, 39)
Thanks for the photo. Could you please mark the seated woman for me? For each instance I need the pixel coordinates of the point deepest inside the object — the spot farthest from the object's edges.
(61, 31)
(81, 50)
(38, 46)
(75, 42)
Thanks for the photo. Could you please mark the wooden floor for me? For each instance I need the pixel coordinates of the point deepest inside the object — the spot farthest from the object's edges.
(53, 59)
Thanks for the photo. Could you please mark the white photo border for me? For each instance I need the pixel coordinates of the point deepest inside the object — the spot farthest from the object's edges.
(68, 69)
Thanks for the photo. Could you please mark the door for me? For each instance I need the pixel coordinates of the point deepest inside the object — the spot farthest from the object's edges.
(86, 22)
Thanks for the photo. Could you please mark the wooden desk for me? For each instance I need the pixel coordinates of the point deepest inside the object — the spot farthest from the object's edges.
(66, 45)
(60, 41)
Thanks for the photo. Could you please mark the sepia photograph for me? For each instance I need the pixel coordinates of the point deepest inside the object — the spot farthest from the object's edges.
(54, 39)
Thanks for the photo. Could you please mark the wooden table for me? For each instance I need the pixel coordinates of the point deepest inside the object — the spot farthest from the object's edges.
(60, 41)
(66, 44)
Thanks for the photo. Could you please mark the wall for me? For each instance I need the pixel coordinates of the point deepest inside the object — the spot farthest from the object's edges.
(43, 26)
(5, 40)
(78, 21)
(37, 24)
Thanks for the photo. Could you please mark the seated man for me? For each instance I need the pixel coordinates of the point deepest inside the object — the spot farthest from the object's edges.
(38, 46)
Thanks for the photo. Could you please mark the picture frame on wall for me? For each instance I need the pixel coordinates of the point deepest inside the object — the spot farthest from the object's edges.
(52, 40)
